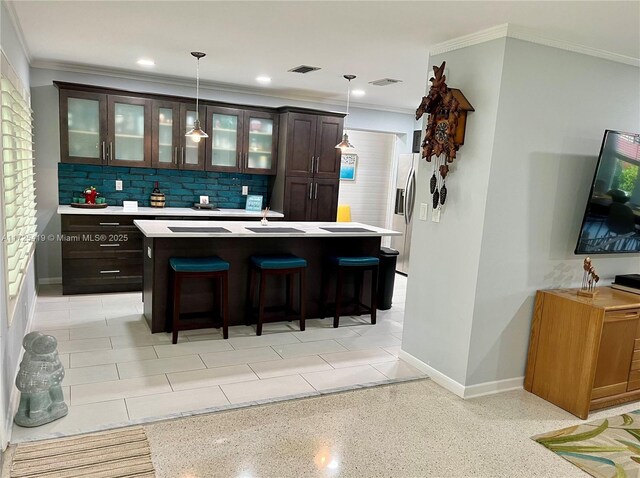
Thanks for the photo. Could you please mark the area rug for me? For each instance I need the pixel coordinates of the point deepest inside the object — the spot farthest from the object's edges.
(120, 453)
(608, 448)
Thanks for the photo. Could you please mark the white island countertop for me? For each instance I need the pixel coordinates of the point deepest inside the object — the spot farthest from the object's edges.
(165, 211)
(161, 228)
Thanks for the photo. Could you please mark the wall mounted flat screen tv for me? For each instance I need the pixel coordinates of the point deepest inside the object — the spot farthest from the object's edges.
(611, 223)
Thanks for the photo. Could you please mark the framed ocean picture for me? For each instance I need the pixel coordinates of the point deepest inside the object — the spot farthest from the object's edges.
(348, 167)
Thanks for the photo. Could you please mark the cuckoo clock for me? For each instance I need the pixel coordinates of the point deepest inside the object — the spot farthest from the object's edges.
(444, 134)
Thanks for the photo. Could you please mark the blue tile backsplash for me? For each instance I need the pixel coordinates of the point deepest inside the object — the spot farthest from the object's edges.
(181, 188)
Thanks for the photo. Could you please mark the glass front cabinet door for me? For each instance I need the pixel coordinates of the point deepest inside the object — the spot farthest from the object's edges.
(83, 127)
(165, 134)
(129, 131)
(191, 152)
(225, 139)
(260, 143)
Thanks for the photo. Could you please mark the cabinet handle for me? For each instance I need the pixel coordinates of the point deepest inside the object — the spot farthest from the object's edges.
(109, 272)
(310, 189)
(175, 155)
(111, 151)
(317, 165)
(315, 195)
(311, 170)
(109, 245)
(182, 154)
(109, 223)
(104, 153)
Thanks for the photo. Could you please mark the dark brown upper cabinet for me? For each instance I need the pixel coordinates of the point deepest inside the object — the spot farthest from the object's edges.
(83, 127)
(129, 127)
(104, 129)
(311, 145)
(170, 148)
(241, 140)
(122, 128)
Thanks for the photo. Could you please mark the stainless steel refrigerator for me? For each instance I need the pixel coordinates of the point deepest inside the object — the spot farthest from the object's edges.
(405, 196)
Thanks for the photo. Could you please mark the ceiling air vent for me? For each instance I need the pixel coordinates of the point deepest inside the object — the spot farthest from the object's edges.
(303, 69)
(385, 82)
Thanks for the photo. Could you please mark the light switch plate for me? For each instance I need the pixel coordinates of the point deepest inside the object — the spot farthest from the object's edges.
(245, 190)
(424, 211)
(118, 185)
(435, 215)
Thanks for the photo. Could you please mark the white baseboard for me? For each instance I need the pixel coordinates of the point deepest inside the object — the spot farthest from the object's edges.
(14, 397)
(438, 377)
(462, 391)
(489, 388)
(49, 281)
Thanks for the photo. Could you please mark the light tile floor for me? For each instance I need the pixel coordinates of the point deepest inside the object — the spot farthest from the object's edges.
(119, 373)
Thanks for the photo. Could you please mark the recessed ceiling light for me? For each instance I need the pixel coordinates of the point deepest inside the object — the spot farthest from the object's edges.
(358, 93)
(146, 62)
(263, 79)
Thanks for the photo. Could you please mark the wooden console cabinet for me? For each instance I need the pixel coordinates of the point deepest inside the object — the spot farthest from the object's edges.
(584, 354)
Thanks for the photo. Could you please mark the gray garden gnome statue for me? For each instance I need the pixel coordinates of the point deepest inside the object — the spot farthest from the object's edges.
(39, 378)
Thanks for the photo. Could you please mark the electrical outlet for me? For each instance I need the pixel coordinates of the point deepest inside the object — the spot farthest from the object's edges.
(118, 185)
(245, 190)
(424, 210)
(435, 215)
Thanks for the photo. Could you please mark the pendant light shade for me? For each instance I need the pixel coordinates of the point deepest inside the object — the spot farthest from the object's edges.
(345, 145)
(197, 133)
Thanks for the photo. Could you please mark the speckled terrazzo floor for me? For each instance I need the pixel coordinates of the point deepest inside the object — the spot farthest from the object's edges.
(411, 429)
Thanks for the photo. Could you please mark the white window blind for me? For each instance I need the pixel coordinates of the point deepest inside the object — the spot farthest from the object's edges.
(18, 181)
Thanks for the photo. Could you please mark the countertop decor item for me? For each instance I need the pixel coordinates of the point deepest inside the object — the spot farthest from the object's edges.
(196, 134)
(264, 221)
(39, 379)
(88, 206)
(90, 195)
(589, 279)
(157, 198)
(444, 134)
(345, 145)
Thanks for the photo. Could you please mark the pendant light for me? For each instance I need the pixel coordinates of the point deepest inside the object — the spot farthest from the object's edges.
(345, 145)
(196, 134)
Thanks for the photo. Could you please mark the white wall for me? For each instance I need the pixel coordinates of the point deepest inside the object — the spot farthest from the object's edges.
(445, 256)
(554, 108)
(11, 337)
(368, 195)
(515, 204)
(47, 139)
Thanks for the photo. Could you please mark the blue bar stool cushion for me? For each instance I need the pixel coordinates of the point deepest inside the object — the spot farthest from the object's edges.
(198, 264)
(278, 261)
(360, 261)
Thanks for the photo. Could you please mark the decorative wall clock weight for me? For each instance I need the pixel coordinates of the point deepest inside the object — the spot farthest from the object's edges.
(444, 134)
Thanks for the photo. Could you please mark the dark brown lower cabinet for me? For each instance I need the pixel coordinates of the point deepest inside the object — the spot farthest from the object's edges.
(308, 199)
(101, 254)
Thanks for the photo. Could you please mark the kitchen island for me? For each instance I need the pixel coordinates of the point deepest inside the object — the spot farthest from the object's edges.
(235, 242)
(102, 249)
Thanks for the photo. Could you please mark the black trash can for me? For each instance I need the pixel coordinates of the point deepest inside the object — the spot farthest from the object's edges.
(386, 277)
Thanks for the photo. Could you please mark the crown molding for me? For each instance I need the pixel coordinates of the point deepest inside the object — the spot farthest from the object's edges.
(508, 30)
(204, 84)
(482, 36)
(527, 34)
(15, 21)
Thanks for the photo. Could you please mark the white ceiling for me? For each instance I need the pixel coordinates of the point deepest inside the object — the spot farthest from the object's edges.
(242, 40)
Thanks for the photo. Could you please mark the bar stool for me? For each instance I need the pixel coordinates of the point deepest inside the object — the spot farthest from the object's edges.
(359, 264)
(199, 268)
(276, 265)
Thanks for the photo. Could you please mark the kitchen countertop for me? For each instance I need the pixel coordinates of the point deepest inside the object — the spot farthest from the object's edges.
(161, 228)
(165, 211)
